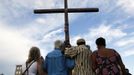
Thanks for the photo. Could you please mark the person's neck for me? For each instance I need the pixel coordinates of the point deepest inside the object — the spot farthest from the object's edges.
(101, 48)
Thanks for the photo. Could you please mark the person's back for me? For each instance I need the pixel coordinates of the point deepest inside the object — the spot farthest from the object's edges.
(33, 64)
(81, 54)
(83, 62)
(106, 61)
(55, 63)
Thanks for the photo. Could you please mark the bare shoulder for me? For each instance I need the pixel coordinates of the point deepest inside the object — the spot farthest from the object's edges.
(111, 51)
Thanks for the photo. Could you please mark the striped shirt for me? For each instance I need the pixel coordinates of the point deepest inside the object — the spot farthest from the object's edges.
(81, 54)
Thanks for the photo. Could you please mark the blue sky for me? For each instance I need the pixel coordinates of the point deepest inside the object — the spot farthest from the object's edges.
(20, 28)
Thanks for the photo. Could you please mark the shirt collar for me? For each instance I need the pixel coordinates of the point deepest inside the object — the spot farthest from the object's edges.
(57, 48)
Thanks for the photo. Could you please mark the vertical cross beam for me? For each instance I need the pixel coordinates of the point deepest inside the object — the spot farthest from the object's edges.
(66, 29)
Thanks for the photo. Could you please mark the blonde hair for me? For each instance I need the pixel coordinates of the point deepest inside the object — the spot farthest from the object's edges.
(34, 54)
(58, 44)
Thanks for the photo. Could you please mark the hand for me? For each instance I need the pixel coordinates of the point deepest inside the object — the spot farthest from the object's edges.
(67, 44)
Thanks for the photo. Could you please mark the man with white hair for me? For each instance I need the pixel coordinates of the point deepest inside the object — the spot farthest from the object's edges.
(81, 55)
(55, 62)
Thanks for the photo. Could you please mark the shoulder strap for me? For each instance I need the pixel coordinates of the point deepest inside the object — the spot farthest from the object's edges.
(27, 67)
(37, 68)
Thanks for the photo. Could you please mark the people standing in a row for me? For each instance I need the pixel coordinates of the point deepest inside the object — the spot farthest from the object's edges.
(76, 60)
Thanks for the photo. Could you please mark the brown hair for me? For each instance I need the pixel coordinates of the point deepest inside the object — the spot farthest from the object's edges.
(34, 54)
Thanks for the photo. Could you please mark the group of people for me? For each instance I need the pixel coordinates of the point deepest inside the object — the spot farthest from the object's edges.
(75, 60)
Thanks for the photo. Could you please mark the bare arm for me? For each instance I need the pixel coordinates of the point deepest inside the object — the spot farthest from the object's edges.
(93, 61)
(120, 63)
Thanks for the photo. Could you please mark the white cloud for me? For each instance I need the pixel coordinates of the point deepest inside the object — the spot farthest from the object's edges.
(52, 36)
(125, 42)
(107, 32)
(129, 52)
(13, 45)
(127, 6)
(48, 4)
(41, 21)
(103, 30)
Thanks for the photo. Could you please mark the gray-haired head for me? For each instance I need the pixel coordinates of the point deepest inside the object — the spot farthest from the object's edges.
(58, 44)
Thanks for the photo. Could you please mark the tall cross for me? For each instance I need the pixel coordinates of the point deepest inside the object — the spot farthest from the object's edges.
(66, 10)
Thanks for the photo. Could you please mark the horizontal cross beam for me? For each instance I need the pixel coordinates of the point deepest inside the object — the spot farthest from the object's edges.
(70, 10)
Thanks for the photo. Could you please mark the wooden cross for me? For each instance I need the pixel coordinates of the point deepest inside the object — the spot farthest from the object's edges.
(66, 10)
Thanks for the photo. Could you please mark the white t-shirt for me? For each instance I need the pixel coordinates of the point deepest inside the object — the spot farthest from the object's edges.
(32, 70)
